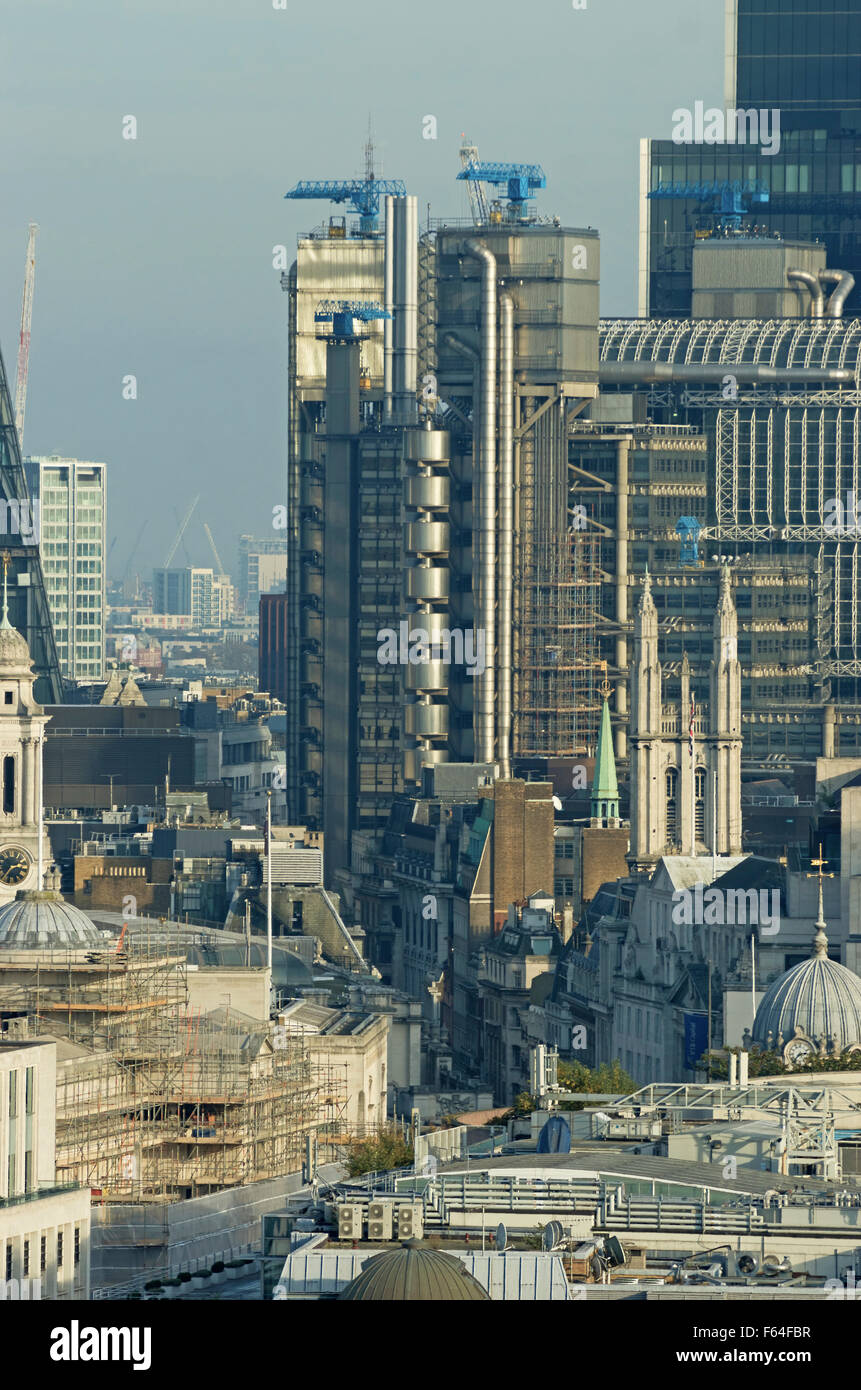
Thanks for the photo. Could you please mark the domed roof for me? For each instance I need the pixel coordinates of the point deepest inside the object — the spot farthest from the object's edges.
(818, 999)
(45, 922)
(410, 1274)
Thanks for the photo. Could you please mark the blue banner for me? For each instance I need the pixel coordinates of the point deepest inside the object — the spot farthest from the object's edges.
(696, 1038)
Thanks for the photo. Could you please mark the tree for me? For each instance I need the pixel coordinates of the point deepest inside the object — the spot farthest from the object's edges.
(607, 1079)
(383, 1151)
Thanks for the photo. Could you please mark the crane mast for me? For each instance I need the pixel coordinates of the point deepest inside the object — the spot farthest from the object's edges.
(477, 196)
(24, 338)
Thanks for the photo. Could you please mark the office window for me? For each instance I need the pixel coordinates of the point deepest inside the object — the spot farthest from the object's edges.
(77, 1245)
(8, 1259)
(59, 1249)
(25, 1266)
(43, 1254)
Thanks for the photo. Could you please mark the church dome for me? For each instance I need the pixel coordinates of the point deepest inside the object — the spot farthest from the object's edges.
(813, 1008)
(411, 1274)
(46, 922)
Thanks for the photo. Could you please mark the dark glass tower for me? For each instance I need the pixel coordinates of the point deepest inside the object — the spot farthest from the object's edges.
(803, 56)
(803, 59)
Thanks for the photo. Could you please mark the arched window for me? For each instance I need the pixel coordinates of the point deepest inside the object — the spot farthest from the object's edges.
(672, 786)
(700, 804)
(8, 785)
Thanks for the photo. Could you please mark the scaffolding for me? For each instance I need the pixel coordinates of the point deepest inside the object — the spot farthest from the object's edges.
(158, 1102)
(206, 1103)
(559, 708)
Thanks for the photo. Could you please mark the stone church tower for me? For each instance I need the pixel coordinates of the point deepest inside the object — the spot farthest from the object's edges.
(22, 732)
(676, 751)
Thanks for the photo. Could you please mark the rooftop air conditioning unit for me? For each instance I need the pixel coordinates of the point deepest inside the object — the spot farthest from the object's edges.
(350, 1221)
(410, 1221)
(380, 1215)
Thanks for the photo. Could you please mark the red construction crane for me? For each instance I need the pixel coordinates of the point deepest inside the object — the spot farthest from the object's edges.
(24, 339)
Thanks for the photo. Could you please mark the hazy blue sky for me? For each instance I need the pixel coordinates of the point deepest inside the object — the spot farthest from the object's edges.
(155, 256)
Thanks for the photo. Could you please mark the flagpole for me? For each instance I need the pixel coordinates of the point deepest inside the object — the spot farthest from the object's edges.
(269, 883)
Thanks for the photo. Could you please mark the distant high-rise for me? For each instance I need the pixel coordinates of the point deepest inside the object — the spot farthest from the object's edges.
(272, 645)
(201, 594)
(72, 515)
(802, 61)
(262, 569)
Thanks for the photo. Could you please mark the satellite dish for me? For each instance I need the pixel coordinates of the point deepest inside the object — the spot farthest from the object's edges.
(501, 1238)
(557, 804)
(552, 1236)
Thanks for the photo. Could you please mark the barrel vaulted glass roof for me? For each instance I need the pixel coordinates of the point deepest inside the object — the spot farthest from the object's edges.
(813, 343)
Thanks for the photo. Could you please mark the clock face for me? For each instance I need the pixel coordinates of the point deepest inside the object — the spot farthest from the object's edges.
(14, 866)
(797, 1053)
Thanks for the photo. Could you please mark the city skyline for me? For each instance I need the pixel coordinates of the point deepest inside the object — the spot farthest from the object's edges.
(169, 277)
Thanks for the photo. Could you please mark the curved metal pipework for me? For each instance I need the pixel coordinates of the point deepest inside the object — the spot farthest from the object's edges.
(811, 283)
(485, 696)
(506, 530)
(845, 285)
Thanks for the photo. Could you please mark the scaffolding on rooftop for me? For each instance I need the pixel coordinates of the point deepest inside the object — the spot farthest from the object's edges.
(159, 1101)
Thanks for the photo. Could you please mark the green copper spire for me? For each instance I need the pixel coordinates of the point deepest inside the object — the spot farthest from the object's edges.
(605, 788)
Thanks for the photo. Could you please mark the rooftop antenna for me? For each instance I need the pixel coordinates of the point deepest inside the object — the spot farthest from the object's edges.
(369, 152)
(269, 883)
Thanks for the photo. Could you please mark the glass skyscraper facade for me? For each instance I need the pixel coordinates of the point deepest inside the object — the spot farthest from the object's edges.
(801, 58)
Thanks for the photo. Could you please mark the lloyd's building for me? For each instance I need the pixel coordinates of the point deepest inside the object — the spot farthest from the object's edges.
(749, 257)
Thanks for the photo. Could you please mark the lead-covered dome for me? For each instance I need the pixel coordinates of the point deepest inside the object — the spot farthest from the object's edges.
(46, 922)
(813, 1008)
(410, 1274)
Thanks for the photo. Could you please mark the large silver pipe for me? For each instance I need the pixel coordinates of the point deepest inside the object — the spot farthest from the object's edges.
(406, 310)
(704, 372)
(485, 617)
(506, 530)
(845, 285)
(388, 304)
(294, 568)
(811, 283)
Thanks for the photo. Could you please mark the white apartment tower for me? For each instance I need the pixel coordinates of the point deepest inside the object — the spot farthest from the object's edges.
(69, 498)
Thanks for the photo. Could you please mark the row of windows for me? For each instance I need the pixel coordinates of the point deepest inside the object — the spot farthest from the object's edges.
(26, 1244)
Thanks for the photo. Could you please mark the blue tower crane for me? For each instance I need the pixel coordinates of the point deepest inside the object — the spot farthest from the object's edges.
(729, 200)
(344, 313)
(519, 179)
(362, 195)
